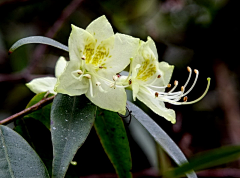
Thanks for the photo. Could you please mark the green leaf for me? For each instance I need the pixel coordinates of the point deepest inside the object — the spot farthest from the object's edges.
(39, 40)
(38, 137)
(160, 136)
(208, 159)
(113, 136)
(35, 129)
(43, 114)
(72, 118)
(18, 159)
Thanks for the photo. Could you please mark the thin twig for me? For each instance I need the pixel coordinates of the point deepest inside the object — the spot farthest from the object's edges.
(26, 111)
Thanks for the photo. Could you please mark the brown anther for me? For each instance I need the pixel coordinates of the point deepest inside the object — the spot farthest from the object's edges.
(88, 76)
(196, 71)
(185, 98)
(175, 82)
(169, 85)
(83, 57)
(182, 88)
(158, 76)
(189, 69)
(100, 67)
(130, 82)
(118, 75)
(79, 72)
(156, 94)
(115, 77)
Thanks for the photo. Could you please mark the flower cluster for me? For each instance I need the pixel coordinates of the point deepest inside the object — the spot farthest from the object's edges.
(97, 56)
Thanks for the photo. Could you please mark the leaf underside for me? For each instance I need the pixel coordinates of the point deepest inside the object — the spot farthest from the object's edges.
(72, 118)
(17, 158)
(160, 136)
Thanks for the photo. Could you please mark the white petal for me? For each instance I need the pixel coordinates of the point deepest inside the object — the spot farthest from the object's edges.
(113, 100)
(80, 43)
(101, 56)
(43, 84)
(100, 29)
(167, 71)
(157, 106)
(60, 66)
(67, 84)
(152, 46)
(125, 47)
(145, 65)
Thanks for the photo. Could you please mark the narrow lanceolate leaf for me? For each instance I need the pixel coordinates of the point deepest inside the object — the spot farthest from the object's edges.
(17, 158)
(43, 114)
(160, 136)
(72, 118)
(112, 134)
(39, 40)
(208, 159)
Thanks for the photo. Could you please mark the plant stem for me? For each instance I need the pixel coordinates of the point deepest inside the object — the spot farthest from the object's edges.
(26, 111)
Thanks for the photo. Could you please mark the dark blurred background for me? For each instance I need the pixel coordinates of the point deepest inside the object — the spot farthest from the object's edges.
(202, 34)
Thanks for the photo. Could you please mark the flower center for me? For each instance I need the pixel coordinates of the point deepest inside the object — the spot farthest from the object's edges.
(97, 57)
(146, 70)
(81, 73)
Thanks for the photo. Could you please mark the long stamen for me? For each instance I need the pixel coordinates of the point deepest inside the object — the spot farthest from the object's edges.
(170, 97)
(182, 90)
(189, 76)
(181, 94)
(91, 87)
(205, 92)
(98, 84)
(88, 76)
(197, 73)
(113, 83)
(163, 93)
(185, 102)
(106, 81)
(175, 86)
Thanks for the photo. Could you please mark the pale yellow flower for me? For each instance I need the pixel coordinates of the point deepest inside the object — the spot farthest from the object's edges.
(96, 56)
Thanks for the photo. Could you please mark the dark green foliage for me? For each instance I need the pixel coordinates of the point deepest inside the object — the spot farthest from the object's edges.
(207, 159)
(112, 134)
(18, 159)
